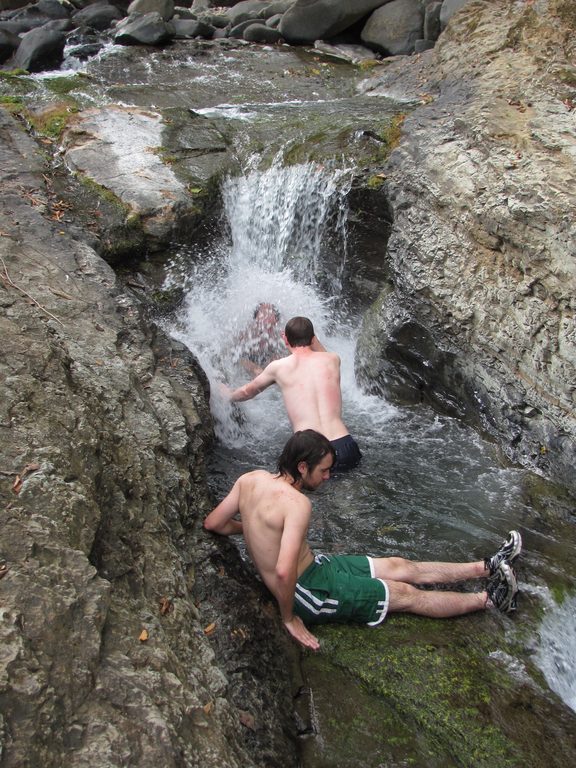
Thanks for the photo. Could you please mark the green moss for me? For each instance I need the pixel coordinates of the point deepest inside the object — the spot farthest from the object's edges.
(392, 132)
(11, 101)
(132, 218)
(64, 85)
(307, 150)
(51, 122)
(375, 181)
(13, 73)
(442, 692)
(367, 64)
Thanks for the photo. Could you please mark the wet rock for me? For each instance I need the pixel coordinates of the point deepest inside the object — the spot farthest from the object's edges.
(149, 29)
(345, 51)
(53, 9)
(192, 28)
(98, 16)
(40, 49)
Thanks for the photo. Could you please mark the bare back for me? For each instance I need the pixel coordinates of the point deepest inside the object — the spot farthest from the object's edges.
(310, 385)
(275, 515)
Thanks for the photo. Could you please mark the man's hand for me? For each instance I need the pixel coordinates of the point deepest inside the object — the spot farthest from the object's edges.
(224, 390)
(296, 628)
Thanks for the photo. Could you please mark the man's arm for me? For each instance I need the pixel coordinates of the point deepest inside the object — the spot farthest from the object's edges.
(293, 537)
(220, 520)
(316, 345)
(254, 387)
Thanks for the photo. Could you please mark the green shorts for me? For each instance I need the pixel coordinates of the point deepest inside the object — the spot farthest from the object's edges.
(341, 588)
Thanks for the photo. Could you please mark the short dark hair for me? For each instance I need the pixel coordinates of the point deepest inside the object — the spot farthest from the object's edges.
(305, 445)
(299, 332)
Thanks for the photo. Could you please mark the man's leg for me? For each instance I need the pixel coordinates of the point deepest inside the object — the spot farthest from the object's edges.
(412, 572)
(404, 598)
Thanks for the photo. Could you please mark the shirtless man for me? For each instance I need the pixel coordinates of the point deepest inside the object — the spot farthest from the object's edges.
(309, 379)
(312, 589)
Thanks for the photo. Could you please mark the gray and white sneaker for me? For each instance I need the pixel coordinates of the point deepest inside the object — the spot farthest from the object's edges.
(503, 589)
(508, 553)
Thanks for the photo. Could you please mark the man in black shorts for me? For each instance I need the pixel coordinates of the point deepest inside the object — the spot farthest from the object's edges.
(311, 589)
(309, 379)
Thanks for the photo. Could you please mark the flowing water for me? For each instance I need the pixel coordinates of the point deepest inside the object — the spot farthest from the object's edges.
(428, 486)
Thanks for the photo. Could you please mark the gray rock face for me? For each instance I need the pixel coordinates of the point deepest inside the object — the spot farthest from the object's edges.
(104, 423)
(482, 188)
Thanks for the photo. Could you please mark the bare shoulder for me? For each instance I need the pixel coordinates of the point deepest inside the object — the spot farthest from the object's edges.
(254, 477)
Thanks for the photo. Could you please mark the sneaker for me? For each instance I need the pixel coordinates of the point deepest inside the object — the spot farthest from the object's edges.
(503, 589)
(508, 553)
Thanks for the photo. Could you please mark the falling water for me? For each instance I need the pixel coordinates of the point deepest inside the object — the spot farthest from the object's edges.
(556, 653)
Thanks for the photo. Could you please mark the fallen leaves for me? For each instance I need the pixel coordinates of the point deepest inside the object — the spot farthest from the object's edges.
(144, 636)
(210, 628)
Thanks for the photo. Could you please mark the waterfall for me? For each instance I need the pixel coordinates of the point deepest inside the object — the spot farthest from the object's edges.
(286, 245)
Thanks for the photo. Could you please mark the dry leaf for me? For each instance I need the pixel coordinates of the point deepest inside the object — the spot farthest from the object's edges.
(208, 707)
(144, 636)
(210, 628)
(17, 484)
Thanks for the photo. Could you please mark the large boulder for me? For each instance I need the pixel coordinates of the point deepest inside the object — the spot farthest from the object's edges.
(40, 49)
(394, 28)
(149, 29)
(9, 43)
(310, 20)
(100, 15)
(164, 7)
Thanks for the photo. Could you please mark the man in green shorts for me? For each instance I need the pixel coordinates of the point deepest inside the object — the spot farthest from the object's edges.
(274, 519)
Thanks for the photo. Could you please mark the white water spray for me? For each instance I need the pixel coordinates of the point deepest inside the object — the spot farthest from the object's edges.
(556, 654)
